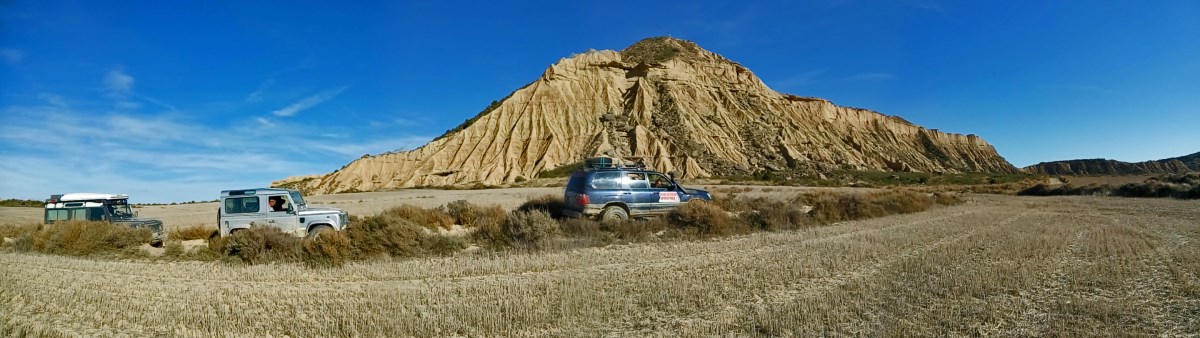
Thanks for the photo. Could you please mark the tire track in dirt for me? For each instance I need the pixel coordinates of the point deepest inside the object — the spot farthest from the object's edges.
(811, 288)
(1155, 289)
(808, 290)
(1043, 300)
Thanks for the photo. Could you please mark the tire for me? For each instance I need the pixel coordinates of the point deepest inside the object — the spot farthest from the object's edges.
(156, 244)
(613, 214)
(235, 231)
(317, 230)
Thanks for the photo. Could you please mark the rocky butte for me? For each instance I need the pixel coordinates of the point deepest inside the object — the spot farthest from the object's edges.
(674, 106)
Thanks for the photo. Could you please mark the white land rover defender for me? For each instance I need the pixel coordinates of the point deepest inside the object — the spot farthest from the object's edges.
(102, 208)
(281, 208)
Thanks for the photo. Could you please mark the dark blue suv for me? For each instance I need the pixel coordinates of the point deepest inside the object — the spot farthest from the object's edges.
(615, 193)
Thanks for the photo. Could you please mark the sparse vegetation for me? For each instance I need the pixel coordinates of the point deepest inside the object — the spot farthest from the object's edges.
(191, 232)
(12, 202)
(76, 238)
(1072, 266)
(1182, 186)
(562, 171)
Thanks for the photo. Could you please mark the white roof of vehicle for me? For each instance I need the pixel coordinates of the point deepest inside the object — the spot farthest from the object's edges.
(90, 196)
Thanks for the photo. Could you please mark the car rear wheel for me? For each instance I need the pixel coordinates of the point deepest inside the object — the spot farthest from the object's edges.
(614, 214)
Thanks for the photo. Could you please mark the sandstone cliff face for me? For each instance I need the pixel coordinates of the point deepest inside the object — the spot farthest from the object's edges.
(676, 107)
(1101, 166)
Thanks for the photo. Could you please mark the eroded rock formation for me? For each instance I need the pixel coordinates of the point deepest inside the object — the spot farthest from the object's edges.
(1100, 166)
(676, 107)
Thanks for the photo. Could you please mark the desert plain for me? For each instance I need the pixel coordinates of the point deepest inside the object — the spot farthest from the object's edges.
(996, 265)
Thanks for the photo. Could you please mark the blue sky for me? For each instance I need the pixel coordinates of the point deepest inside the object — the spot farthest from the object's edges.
(176, 100)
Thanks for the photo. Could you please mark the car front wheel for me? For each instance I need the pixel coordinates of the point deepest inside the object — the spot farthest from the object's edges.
(318, 230)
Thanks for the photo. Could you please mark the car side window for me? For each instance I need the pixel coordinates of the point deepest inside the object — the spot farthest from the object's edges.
(660, 182)
(638, 181)
(237, 205)
(607, 180)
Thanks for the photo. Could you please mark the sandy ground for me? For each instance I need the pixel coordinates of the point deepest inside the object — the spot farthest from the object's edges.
(999, 266)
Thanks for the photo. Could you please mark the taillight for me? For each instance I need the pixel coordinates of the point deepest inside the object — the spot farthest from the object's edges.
(582, 199)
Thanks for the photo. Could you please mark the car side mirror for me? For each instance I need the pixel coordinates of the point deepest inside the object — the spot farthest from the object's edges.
(671, 174)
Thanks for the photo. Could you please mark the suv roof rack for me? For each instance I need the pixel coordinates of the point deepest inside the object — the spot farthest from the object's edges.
(596, 163)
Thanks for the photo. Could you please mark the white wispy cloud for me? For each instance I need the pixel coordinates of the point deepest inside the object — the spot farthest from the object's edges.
(118, 82)
(258, 93)
(309, 102)
(161, 157)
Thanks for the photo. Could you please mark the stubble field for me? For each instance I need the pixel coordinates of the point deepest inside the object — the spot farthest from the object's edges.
(994, 266)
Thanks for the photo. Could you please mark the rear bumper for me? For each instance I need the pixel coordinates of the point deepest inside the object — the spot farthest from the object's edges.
(588, 211)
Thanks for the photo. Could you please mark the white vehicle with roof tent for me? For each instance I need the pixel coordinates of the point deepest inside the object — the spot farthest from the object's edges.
(112, 208)
(280, 208)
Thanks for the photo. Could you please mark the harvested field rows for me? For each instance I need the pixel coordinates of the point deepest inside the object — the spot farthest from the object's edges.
(995, 266)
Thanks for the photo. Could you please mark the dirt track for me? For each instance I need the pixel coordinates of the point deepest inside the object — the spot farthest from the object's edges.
(1076, 266)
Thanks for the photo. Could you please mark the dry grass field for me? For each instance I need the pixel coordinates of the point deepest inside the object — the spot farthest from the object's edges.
(994, 266)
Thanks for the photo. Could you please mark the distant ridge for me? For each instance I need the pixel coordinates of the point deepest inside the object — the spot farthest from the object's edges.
(673, 105)
(1101, 166)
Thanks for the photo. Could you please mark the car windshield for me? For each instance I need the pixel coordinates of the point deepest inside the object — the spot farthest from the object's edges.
(297, 200)
(119, 209)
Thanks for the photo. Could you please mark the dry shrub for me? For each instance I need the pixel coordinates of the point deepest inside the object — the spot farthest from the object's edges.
(192, 232)
(16, 231)
(387, 234)
(429, 218)
(550, 204)
(471, 215)
(775, 215)
(581, 227)
(173, 248)
(702, 219)
(330, 249)
(531, 229)
(446, 245)
(830, 207)
(258, 245)
(79, 238)
(943, 198)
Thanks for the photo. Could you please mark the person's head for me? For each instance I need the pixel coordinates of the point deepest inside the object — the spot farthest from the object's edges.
(273, 202)
(658, 182)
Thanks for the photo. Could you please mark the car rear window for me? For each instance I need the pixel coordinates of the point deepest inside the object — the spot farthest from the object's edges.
(576, 183)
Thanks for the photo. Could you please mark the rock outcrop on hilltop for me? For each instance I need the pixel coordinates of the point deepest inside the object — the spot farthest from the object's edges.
(676, 107)
(1100, 166)
(1191, 161)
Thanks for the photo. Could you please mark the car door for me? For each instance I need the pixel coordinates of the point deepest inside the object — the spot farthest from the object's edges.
(285, 218)
(644, 197)
(666, 194)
